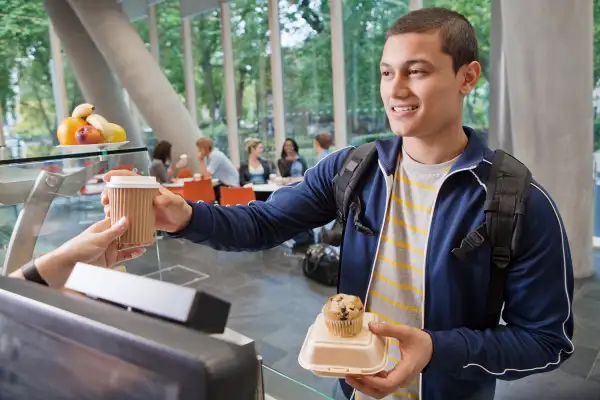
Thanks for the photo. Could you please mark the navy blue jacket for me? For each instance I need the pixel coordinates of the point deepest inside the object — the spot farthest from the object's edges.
(466, 362)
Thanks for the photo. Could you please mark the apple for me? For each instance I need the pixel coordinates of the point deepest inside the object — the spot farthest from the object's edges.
(87, 134)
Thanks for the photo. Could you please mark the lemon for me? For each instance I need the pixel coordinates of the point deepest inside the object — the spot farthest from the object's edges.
(118, 133)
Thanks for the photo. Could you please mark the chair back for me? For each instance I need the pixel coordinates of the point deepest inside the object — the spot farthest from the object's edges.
(232, 196)
(185, 173)
(201, 190)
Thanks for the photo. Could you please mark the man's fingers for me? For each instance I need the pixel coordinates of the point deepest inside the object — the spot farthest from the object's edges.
(164, 199)
(399, 376)
(359, 385)
(117, 172)
(396, 331)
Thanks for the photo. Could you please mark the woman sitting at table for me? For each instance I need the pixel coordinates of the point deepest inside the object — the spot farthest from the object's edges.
(161, 159)
(257, 170)
(291, 164)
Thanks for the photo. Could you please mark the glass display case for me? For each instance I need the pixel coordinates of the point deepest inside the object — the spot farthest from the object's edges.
(46, 200)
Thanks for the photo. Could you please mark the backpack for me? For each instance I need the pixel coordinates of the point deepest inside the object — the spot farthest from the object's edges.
(321, 264)
(507, 189)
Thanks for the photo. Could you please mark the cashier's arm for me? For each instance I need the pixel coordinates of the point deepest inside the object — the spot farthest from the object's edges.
(96, 246)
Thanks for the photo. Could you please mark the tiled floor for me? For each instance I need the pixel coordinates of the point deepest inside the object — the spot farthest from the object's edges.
(273, 303)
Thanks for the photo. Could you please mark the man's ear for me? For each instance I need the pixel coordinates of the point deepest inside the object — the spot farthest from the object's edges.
(469, 75)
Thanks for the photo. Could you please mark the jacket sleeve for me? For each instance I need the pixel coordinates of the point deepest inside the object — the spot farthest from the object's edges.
(537, 310)
(244, 174)
(262, 225)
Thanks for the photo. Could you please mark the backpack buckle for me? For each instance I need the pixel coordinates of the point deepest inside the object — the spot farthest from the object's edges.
(474, 239)
(501, 256)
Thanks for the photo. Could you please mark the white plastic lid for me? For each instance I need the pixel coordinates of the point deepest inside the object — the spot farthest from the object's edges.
(133, 182)
(183, 156)
(334, 357)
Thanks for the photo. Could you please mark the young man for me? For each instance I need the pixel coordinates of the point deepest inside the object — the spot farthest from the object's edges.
(420, 199)
(322, 143)
(215, 164)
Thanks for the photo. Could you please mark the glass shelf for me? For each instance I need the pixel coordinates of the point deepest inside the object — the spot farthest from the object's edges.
(45, 201)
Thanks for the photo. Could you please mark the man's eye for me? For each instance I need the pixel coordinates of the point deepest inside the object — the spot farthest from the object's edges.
(415, 72)
(385, 73)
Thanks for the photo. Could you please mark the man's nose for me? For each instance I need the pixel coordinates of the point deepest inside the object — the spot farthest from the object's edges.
(400, 88)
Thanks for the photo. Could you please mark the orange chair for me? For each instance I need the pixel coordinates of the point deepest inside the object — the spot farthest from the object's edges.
(129, 167)
(201, 190)
(185, 173)
(231, 196)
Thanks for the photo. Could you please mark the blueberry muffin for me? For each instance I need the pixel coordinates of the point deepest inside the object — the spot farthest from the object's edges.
(344, 315)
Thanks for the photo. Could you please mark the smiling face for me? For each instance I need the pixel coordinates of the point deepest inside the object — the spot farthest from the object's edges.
(421, 92)
(289, 149)
(258, 150)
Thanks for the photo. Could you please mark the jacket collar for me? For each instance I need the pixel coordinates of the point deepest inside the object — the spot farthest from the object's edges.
(388, 150)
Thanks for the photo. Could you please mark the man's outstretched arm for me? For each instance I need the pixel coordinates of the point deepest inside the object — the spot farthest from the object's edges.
(261, 225)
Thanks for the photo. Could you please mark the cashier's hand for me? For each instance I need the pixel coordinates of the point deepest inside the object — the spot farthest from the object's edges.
(173, 213)
(416, 349)
(95, 246)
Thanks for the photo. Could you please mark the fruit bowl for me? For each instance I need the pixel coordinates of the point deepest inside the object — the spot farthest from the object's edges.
(89, 148)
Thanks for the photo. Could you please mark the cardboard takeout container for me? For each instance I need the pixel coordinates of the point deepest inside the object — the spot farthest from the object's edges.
(333, 357)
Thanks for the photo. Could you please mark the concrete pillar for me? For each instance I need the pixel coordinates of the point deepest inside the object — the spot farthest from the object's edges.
(59, 87)
(499, 135)
(276, 76)
(231, 112)
(153, 32)
(96, 81)
(188, 68)
(338, 74)
(549, 59)
(140, 74)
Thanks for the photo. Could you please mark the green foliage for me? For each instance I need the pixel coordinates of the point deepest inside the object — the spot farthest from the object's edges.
(306, 57)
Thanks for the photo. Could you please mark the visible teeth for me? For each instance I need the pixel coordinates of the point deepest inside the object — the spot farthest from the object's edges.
(411, 108)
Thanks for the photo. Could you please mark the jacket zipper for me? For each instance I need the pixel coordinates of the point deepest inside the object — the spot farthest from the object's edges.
(427, 252)
(387, 203)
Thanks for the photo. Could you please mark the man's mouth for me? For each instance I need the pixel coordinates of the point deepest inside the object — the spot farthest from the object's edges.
(404, 108)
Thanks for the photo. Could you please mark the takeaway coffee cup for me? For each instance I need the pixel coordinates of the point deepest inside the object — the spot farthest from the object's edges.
(133, 197)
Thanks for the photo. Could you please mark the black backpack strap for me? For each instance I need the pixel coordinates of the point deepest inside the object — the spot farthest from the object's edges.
(507, 189)
(346, 181)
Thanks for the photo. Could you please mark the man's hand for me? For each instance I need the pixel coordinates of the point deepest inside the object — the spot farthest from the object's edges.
(172, 212)
(416, 349)
(96, 246)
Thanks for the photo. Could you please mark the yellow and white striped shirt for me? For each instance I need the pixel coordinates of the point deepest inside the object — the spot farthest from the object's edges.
(396, 293)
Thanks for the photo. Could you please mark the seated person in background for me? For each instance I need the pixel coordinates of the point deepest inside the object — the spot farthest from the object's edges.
(215, 164)
(321, 144)
(257, 170)
(95, 246)
(161, 158)
(291, 164)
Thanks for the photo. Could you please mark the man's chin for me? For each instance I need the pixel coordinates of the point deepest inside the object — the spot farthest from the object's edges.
(403, 132)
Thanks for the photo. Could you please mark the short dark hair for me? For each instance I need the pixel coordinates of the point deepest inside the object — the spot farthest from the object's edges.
(456, 32)
(325, 140)
(162, 151)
